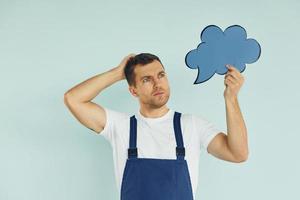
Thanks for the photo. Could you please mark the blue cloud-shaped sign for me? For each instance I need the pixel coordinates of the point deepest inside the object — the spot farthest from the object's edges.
(219, 48)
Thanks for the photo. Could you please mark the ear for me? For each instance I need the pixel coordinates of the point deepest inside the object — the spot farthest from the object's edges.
(132, 90)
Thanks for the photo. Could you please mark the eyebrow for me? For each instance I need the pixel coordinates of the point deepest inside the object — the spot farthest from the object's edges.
(150, 76)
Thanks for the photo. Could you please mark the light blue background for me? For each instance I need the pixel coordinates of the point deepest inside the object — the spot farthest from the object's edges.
(46, 47)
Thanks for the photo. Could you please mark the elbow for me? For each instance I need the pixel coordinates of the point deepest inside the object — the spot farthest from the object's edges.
(66, 98)
(242, 158)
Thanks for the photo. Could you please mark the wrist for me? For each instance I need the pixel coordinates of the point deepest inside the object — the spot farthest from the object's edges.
(233, 99)
(120, 74)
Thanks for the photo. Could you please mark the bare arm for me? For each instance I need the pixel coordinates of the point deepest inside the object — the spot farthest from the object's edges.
(236, 128)
(78, 99)
(233, 146)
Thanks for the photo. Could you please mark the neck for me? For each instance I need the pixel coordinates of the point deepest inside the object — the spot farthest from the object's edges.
(154, 112)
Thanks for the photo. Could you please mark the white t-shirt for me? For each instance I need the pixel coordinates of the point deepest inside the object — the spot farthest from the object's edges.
(156, 139)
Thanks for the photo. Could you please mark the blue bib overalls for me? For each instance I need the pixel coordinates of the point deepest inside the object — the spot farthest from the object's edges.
(156, 179)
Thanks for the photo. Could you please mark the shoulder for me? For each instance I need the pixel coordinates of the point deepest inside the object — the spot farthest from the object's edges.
(115, 118)
(114, 115)
(197, 119)
(115, 121)
(198, 122)
(192, 118)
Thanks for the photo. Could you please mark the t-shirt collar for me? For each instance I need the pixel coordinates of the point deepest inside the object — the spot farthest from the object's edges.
(156, 119)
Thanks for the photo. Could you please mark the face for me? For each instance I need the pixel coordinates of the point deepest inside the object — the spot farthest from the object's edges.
(152, 86)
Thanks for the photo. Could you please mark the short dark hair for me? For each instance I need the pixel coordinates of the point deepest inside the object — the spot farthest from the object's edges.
(142, 59)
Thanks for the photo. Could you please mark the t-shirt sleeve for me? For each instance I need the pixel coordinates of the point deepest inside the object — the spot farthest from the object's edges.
(112, 118)
(207, 130)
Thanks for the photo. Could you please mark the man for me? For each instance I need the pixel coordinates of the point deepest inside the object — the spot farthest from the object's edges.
(156, 151)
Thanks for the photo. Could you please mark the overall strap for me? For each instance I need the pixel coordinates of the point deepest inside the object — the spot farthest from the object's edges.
(132, 150)
(180, 150)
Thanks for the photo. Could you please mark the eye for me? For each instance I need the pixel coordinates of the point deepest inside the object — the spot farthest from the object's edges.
(162, 75)
(145, 80)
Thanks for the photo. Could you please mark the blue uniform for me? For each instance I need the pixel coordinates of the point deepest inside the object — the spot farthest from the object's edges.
(156, 179)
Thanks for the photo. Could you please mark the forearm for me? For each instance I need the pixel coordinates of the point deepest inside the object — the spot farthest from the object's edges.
(90, 88)
(236, 129)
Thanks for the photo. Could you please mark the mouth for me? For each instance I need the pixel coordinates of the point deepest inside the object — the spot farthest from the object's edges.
(158, 93)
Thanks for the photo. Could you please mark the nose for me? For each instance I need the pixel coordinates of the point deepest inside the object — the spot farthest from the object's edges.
(156, 82)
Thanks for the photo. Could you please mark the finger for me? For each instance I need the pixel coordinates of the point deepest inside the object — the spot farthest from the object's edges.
(232, 76)
(231, 67)
(232, 80)
(130, 55)
(234, 70)
(236, 74)
(236, 82)
(228, 82)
